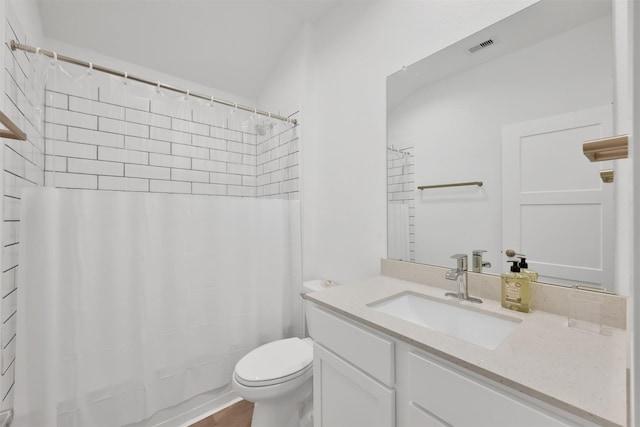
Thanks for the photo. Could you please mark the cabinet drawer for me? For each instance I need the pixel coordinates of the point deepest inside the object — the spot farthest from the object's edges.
(461, 401)
(366, 350)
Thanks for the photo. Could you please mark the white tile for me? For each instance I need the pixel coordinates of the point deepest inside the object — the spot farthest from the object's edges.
(122, 127)
(71, 87)
(146, 118)
(10, 185)
(169, 161)
(208, 142)
(170, 135)
(209, 165)
(8, 327)
(189, 175)
(189, 151)
(153, 172)
(71, 149)
(249, 138)
(124, 156)
(9, 257)
(70, 118)
(13, 162)
(249, 181)
(117, 96)
(289, 160)
(56, 100)
(248, 159)
(150, 145)
(289, 186)
(55, 163)
(170, 187)
(225, 178)
(11, 209)
(96, 167)
(8, 354)
(7, 384)
(96, 108)
(239, 147)
(54, 131)
(96, 138)
(122, 184)
(236, 190)
(71, 180)
(241, 169)
(225, 156)
(9, 281)
(10, 232)
(189, 126)
(211, 189)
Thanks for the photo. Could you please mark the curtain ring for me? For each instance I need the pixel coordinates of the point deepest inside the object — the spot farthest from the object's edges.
(37, 50)
(90, 67)
(255, 111)
(186, 95)
(55, 56)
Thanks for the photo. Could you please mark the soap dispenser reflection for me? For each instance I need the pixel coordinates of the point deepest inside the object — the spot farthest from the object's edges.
(524, 268)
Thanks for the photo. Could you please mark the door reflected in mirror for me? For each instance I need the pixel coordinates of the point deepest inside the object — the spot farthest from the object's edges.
(509, 107)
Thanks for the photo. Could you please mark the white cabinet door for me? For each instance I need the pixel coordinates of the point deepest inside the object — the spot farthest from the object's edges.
(344, 396)
(555, 207)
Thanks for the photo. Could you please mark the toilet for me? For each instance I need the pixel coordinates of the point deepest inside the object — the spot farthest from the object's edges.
(277, 377)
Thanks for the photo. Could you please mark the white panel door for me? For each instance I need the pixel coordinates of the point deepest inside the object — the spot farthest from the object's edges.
(555, 207)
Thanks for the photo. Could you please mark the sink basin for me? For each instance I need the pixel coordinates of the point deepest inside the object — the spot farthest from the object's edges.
(483, 329)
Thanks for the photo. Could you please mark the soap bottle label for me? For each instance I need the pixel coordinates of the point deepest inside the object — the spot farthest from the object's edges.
(512, 292)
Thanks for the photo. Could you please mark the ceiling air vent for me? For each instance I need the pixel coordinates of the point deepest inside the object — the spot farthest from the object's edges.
(481, 46)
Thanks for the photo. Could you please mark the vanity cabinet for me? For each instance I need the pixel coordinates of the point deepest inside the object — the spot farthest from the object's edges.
(365, 378)
(353, 373)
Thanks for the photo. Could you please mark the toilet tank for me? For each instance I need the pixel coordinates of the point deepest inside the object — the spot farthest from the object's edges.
(313, 286)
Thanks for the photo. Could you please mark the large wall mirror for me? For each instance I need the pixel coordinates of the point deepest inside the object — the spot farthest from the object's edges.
(507, 110)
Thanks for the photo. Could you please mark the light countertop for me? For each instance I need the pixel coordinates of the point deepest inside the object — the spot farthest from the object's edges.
(581, 372)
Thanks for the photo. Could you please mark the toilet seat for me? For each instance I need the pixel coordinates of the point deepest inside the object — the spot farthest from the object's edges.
(274, 363)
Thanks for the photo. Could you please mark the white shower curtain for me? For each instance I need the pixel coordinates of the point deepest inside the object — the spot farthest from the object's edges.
(130, 303)
(398, 231)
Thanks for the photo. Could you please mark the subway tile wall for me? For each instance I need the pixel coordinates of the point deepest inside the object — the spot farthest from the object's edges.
(401, 187)
(23, 167)
(94, 141)
(278, 166)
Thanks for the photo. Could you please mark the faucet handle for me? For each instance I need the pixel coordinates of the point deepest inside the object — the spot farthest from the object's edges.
(479, 251)
(462, 261)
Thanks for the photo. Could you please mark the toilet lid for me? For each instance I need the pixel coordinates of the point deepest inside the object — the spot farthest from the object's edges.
(275, 360)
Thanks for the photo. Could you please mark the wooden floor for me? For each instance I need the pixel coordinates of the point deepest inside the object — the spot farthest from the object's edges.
(237, 415)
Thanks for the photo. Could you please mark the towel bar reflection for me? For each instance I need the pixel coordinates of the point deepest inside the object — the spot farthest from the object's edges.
(455, 184)
(12, 131)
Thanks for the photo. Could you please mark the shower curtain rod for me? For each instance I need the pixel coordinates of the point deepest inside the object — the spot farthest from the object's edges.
(15, 45)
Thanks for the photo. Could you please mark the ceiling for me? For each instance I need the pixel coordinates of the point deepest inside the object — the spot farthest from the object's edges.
(224, 44)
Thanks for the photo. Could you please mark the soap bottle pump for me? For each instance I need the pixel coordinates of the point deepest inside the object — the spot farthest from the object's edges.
(524, 268)
(516, 289)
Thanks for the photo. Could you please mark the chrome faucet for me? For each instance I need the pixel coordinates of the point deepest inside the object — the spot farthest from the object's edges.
(477, 261)
(460, 274)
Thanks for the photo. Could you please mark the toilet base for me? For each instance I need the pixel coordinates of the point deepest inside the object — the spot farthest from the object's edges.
(282, 405)
(286, 411)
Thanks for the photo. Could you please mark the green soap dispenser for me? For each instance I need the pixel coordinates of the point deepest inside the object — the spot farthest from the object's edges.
(516, 289)
(524, 268)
